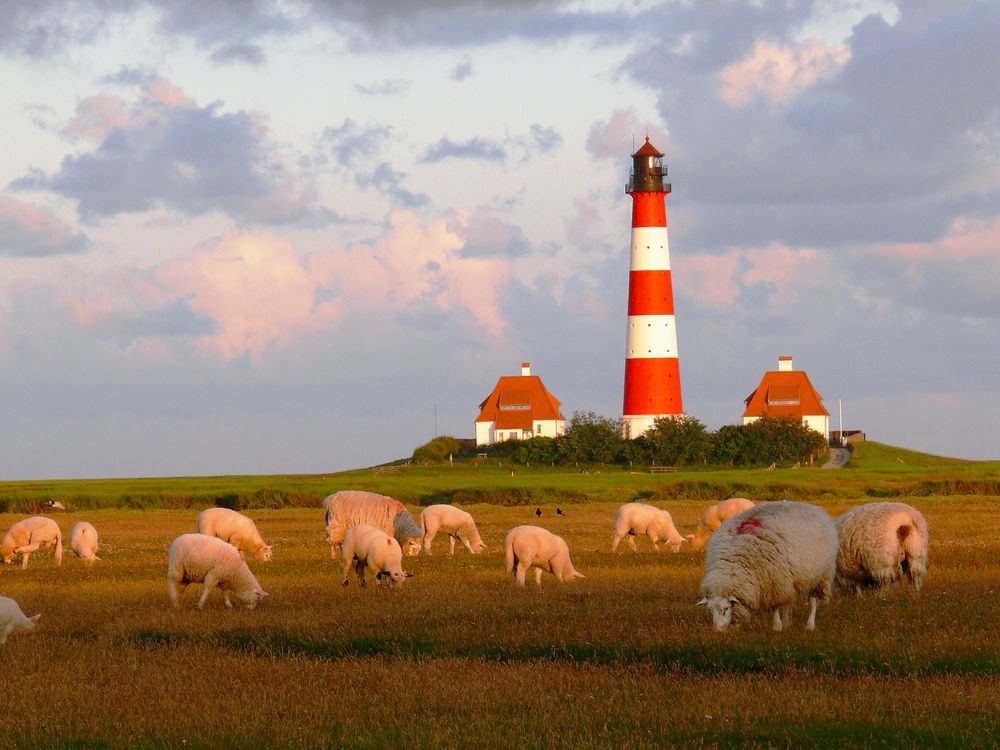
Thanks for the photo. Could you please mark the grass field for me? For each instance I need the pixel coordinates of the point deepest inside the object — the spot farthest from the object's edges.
(460, 657)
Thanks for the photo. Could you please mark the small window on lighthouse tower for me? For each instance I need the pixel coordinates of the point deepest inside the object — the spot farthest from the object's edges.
(650, 162)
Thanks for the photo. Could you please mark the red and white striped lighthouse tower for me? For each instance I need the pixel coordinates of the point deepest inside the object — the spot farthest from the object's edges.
(652, 370)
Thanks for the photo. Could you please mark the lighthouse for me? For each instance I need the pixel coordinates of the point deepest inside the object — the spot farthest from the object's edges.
(652, 370)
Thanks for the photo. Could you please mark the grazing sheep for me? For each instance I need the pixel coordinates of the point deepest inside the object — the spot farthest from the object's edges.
(714, 516)
(880, 543)
(199, 558)
(352, 507)
(367, 547)
(83, 541)
(235, 528)
(456, 522)
(533, 545)
(30, 534)
(639, 518)
(12, 619)
(765, 558)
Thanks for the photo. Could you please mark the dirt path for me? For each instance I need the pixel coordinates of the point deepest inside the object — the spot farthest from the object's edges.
(838, 458)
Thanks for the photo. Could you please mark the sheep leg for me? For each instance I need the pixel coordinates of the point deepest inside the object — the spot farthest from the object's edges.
(5, 632)
(25, 552)
(359, 571)
(615, 541)
(428, 538)
(468, 546)
(631, 542)
(522, 568)
(656, 541)
(811, 622)
(176, 590)
(347, 567)
(776, 624)
(538, 577)
(210, 582)
(451, 539)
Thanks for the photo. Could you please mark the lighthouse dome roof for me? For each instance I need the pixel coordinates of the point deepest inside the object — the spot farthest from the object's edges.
(647, 149)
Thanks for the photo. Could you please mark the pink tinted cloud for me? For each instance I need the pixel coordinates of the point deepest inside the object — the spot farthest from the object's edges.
(28, 231)
(711, 279)
(622, 133)
(780, 71)
(97, 115)
(413, 263)
(253, 284)
(718, 280)
(966, 239)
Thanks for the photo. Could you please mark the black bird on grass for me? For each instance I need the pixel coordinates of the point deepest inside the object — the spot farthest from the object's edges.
(538, 512)
(559, 512)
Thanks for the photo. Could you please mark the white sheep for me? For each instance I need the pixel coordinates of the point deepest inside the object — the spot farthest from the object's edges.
(714, 516)
(366, 547)
(639, 518)
(765, 558)
(352, 507)
(12, 619)
(30, 534)
(199, 558)
(458, 524)
(235, 528)
(528, 546)
(83, 541)
(880, 543)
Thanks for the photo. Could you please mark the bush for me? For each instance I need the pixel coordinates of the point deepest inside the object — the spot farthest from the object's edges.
(437, 450)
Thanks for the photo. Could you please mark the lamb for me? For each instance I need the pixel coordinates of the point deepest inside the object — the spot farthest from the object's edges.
(639, 518)
(352, 507)
(456, 522)
(12, 619)
(714, 516)
(880, 543)
(30, 534)
(368, 547)
(83, 541)
(199, 558)
(235, 528)
(765, 558)
(528, 546)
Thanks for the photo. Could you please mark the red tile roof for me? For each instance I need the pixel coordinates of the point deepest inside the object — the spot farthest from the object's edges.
(786, 393)
(517, 401)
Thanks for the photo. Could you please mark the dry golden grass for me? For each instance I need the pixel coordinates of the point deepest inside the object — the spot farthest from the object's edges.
(459, 656)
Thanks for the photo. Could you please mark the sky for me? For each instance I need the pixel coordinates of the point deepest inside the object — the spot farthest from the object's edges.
(253, 237)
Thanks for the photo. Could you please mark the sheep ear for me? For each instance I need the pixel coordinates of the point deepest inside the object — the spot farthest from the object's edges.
(689, 537)
(702, 603)
(733, 600)
(36, 618)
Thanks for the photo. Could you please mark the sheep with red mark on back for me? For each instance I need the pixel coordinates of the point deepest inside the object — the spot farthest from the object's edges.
(765, 559)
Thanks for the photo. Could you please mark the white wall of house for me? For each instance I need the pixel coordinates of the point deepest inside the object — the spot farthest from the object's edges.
(818, 422)
(488, 434)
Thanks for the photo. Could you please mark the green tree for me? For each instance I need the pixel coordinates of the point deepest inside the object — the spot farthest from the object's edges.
(590, 438)
(536, 450)
(675, 441)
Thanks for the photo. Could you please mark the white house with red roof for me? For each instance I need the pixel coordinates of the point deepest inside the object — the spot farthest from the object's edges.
(518, 408)
(788, 393)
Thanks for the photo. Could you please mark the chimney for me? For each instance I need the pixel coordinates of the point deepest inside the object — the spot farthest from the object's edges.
(785, 364)
(525, 368)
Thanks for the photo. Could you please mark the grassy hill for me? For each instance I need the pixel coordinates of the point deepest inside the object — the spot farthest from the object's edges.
(875, 470)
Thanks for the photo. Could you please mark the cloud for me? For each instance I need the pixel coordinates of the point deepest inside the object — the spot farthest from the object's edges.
(389, 183)
(239, 53)
(163, 150)
(487, 236)
(462, 70)
(45, 28)
(390, 87)
(30, 232)
(780, 71)
(609, 139)
(478, 149)
(350, 143)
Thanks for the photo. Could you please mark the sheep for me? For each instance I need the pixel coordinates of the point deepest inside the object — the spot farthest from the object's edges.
(367, 547)
(714, 516)
(765, 558)
(456, 522)
(235, 528)
(30, 534)
(533, 545)
(12, 619)
(83, 541)
(880, 543)
(352, 507)
(199, 558)
(639, 518)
